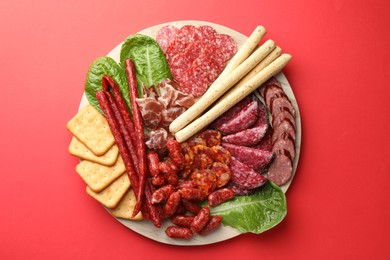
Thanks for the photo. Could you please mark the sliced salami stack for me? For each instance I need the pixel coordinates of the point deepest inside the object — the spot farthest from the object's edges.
(196, 55)
(284, 131)
(247, 135)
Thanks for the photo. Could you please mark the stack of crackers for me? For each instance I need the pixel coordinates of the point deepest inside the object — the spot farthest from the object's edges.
(101, 166)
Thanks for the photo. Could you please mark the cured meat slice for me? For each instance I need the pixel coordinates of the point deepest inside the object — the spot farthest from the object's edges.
(239, 190)
(183, 37)
(244, 176)
(242, 120)
(165, 35)
(199, 77)
(265, 143)
(268, 83)
(263, 115)
(178, 64)
(151, 111)
(272, 92)
(281, 116)
(285, 142)
(208, 32)
(226, 44)
(280, 171)
(281, 104)
(251, 157)
(156, 139)
(170, 114)
(231, 113)
(285, 127)
(247, 137)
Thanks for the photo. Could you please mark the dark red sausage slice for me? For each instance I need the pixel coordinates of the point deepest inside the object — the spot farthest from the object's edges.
(244, 176)
(285, 127)
(247, 137)
(242, 120)
(280, 171)
(251, 157)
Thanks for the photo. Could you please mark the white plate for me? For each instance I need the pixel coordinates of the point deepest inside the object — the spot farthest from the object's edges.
(146, 228)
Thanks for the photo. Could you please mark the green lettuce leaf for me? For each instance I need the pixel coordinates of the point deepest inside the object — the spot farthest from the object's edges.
(255, 213)
(149, 60)
(100, 67)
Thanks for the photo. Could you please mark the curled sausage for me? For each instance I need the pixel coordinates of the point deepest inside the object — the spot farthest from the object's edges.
(200, 220)
(153, 162)
(169, 170)
(220, 196)
(192, 194)
(175, 154)
(178, 232)
(214, 223)
(172, 204)
(162, 194)
(182, 220)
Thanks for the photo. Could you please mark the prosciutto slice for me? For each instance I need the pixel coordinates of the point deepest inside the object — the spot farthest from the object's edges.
(158, 110)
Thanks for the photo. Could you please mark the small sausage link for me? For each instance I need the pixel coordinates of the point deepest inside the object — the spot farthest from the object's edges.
(220, 196)
(169, 170)
(158, 180)
(162, 194)
(178, 232)
(192, 194)
(214, 223)
(182, 221)
(191, 206)
(200, 220)
(175, 154)
(153, 163)
(172, 204)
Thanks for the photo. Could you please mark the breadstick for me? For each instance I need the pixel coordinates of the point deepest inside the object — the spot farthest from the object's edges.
(250, 44)
(233, 98)
(219, 87)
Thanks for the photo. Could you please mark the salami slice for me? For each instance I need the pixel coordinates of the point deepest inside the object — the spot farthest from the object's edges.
(280, 104)
(242, 120)
(285, 143)
(272, 92)
(199, 77)
(226, 44)
(178, 64)
(208, 32)
(231, 113)
(247, 137)
(285, 127)
(165, 35)
(265, 143)
(280, 171)
(251, 157)
(244, 176)
(241, 191)
(281, 116)
(183, 37)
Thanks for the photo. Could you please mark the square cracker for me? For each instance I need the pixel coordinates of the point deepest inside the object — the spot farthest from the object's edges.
(92, 129)
(98, 176)
(126, 206)
(78, 149)
(110, 196)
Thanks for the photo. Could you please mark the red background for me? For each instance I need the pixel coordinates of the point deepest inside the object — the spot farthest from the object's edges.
(339, 200)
